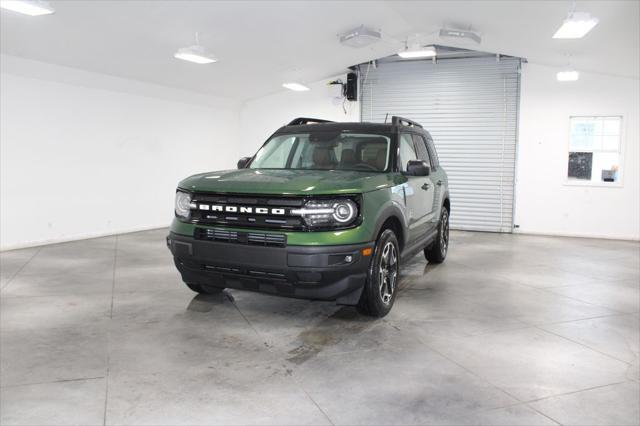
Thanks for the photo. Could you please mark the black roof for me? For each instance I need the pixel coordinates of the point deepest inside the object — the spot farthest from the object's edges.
(312, 124)
(376, 127)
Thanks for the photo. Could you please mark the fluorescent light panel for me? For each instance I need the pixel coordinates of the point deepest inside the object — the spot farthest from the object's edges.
(27, 7)
(296, 87)
(577, 25)
(196, 54)
(568, 75)
(191, 57)
(419, 52)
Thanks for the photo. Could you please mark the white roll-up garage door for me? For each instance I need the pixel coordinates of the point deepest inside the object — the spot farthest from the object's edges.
(470, 107)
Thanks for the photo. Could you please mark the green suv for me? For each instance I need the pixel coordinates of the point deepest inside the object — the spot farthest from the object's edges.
(323, 211)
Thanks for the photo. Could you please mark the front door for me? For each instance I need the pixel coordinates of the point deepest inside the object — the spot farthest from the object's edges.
(418, 192)
(433, 182)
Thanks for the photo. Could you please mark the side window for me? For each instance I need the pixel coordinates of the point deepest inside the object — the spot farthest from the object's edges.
(431, 150)
(407, 151)
(422, 148)
(435, 161)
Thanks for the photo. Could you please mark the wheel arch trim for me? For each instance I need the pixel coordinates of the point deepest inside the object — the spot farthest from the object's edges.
(392, 212)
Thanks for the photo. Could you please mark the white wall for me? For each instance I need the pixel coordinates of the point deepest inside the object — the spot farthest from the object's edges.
(85, 154)
(544, 202)
(263, 116)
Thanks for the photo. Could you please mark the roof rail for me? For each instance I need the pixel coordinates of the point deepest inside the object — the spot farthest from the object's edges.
(401, 121)
(304, 120)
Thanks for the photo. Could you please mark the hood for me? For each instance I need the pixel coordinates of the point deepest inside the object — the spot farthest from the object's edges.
(287, 182)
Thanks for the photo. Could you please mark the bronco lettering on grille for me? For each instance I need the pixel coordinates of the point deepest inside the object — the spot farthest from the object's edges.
(242, 209)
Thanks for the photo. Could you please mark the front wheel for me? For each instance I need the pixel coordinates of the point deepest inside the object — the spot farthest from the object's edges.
(437, 252)
(380, 290)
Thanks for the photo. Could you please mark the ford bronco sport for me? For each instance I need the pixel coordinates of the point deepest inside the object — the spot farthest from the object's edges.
(322, 211)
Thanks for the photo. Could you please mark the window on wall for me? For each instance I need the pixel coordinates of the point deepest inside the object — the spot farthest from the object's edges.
(595, 149)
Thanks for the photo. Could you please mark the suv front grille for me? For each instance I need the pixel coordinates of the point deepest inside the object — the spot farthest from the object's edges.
(266, 239)
(242, 211)
(253, 238)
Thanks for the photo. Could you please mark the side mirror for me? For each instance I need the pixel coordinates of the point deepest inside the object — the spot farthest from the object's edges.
(242, 163)
(418, 168)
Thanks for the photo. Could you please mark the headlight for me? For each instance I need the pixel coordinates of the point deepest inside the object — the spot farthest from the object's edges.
(183, 204)
(328, 213)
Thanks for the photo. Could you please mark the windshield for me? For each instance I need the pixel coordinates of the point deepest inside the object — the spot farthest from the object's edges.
(325, 151)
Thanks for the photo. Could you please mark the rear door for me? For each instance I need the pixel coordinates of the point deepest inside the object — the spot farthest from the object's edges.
(417, 189)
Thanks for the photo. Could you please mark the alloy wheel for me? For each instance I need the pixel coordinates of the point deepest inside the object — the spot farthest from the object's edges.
(388, 272)
(444, 233)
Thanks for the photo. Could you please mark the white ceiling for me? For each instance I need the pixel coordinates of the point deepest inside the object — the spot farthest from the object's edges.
(262, 44)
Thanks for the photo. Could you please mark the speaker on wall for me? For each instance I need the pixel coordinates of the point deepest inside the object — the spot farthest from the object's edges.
(351, 90)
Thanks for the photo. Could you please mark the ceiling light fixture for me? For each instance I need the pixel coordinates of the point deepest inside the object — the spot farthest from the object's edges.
(296, 87)
(360, 37)
(577, 25)
(460, 34)
(28, 7)
(569, 75)
(417, 51)
(196, 54)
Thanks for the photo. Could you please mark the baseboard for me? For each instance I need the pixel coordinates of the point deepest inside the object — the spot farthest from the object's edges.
(575, 235)
(79, 237)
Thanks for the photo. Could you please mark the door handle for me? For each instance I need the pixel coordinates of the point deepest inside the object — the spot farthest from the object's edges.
(439, 183)
(425, 186)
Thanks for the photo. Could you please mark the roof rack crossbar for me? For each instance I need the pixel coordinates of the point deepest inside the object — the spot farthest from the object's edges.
(305, 120)
(401, 121)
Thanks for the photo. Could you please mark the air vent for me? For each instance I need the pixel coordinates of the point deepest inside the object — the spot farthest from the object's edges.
(266, 239)
(237, 237)
(223, 269)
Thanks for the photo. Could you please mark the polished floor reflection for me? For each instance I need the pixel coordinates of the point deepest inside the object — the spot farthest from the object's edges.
(511, 329)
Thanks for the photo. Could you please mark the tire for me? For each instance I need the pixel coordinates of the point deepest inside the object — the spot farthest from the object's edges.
(204, 289)
(437, 252)
(381, 287)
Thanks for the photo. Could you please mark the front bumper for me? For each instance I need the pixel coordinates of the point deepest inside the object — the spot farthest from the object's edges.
(335, 273)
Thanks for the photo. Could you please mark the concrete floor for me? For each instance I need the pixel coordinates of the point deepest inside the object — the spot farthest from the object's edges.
(511, 329)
